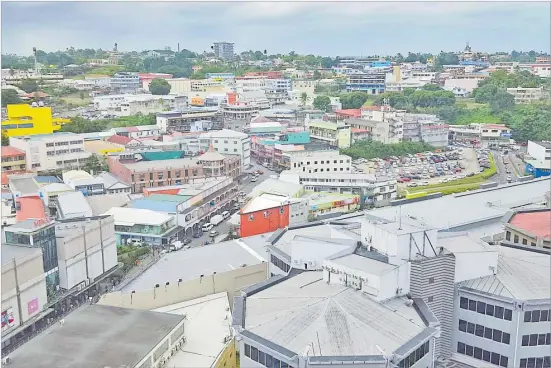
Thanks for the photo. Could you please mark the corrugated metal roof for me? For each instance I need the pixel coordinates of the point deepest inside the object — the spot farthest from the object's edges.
(158, 206)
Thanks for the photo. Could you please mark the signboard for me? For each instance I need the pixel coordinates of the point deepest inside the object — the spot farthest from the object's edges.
(43, 221)
(506, 135)
(8, 319)
(32, 306)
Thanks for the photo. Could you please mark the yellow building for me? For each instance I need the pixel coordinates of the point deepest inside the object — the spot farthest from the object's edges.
(227, 358)
(335, 134)
(197, 101)
(26, 120)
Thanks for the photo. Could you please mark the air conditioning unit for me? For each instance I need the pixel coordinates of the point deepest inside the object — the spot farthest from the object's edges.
(6, 360)
(312, 264)
(296, 261)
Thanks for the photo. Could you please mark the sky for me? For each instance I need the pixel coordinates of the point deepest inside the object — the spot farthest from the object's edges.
(319, 28)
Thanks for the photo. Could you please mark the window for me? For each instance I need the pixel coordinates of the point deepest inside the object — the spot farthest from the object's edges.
(481, 307)
(247, 351)
(497, 335)
(532, 244)
(525, 340)
(478, 353)
(460, 348)
(516, 239)
(533, 340)
(544, 316)
(506, 338)
(508, 314)
(479, 330)
(536, 316)
(472, 305)
(494, 359)
(431, 280)
(254, 353)
(498, 312)
(463, 303)
(470, 327)
(489, 310)
(488, 333)
(469, 350)
(524, 241)
(508, 236)
(430, 299)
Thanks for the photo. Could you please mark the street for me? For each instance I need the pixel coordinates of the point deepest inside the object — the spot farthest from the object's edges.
(507, 165)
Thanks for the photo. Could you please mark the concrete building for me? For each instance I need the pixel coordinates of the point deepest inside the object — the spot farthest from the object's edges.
(13, 159)
(371, 83)
(84, 182)
(228, 142)
(529, 228)
(49, 194)
(71, 205)
(52, 151)
(540, 150)
(132, 104)
(179, 85)
(337, 135)
(467, 82)
(114, 336)
(182, 121)
(488, 135)
(223, 50)
(318, 161)
(23, 288)
(528, 95)
(126, 82)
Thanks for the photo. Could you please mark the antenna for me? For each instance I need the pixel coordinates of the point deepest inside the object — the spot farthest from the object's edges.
(400, 218)
(36, 69)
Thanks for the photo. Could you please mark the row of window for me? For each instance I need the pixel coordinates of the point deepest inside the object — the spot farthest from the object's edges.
(226, 142)
(484, 355)
(536, 339)
(487, 309)
(516, 239)
(65, 143)
(541, 362)
(487, 333)
(414, 357)
(543, 315)
(263, 358)
(279, 263)
(16, 126)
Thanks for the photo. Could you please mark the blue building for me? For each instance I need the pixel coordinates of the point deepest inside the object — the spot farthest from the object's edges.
(538, 168)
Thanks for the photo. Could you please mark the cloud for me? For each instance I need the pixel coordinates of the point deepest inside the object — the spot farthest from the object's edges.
(327, 28)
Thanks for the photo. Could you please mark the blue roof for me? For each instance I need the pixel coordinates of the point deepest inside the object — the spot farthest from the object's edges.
(46, 179)
(159, 206)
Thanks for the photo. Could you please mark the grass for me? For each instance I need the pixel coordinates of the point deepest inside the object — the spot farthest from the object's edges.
(76, 100)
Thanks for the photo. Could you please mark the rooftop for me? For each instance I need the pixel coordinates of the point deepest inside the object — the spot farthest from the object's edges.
(30, 208)
(276, 186)
(161, 165)
(23, 185)
(304, 309)
(154, 205)
(131, 216)
(521, 274)
(545, 144)
(97, 336)
(358, 262)
(9, 151)
(537, 223)
(208, 323)
(102, 203)
(192, 263)
(119, 139)
(73, 203)
(264, 202)
(9, 252)
(99, 145)
(46, 179)
(224, 133)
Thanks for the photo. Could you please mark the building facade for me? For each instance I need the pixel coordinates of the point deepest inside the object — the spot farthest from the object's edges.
(228, 142)
(126, 82)
(337, 135)
(528, 95)
(223, 50)
(13, 159)
(371, 83)
(26, 120)
(309, 162)
(182, 121)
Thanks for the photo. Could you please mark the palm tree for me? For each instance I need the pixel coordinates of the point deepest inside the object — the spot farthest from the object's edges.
(303, 98)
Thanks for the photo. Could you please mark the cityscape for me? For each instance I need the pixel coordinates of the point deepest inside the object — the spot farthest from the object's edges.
(185, 196)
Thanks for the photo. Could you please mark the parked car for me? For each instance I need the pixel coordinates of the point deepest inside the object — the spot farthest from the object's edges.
(213, 233)
(206, 227)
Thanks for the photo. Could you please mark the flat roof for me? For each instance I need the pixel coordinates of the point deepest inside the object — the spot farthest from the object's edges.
(25, 185)
(306, 315)
(537, 223)
(276, 186)
(161, 164)
(521, 274)
(358, 262)
(103, 203)
(9, 252)
(189, 264)
(208, 323)
(30, 207)
(97, 336)
(131, 216)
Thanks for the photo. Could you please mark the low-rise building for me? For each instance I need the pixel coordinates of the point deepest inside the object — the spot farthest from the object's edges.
(130, 104)
(13, 159)
(528, 95)
(182, 121)
(84, 182)
(529, 228)
(45, 152)
(371, 83)
(72, 205)
(228, 142)
(489, 135)
(539, 150)
(126, 82)
(309, 162)
(263, 214)
(337, 134)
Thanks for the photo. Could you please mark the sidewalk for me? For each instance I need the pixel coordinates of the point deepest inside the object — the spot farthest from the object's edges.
(136, 271)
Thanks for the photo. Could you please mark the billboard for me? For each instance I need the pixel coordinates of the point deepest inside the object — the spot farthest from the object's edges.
(8, 320)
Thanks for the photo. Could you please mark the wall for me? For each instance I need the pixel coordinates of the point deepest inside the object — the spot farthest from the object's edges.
(228, 357)
(538, 152)
(230, 282)
(264, 224)
(472, 265)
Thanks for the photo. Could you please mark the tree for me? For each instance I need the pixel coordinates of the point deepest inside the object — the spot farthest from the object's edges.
(28, 85)
(322, 103)
(10, 97)
(432, 87)
(502, 101)
(159, 86)
(371, 149)
(5, 139)
(95, 164)
(317, 75)
(446, 58)
(303, 98)
(82, 95)
(353, 100)
(327, 62)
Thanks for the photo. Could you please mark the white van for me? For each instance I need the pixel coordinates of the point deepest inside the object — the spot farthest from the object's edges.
(206, 227)
(226, 214)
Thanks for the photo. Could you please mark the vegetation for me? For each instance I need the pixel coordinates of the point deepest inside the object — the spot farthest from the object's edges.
(372, 149)
(322, 103)
(9, 97)
(410, 99)
(5, 139)
(81, 125)
(159, 86)
(128, 255)
(95, 164)
(353, 100)
(28, 85)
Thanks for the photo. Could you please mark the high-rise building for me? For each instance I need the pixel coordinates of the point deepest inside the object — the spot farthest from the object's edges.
(223, 50)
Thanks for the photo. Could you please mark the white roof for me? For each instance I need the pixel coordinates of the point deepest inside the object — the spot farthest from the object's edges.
(224, 133)
(56, 187)
(75, 175)
(276, 186)
(264, 203)
(341, 321)
(211, 156)
(208, 323)
(131, 216)
(73, 204)
(357, 262)
(521, 274)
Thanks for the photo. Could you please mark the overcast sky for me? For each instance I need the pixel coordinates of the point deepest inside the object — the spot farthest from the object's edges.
(333, 29)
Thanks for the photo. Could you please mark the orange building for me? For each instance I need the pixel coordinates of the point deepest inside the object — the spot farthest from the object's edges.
(264, 214)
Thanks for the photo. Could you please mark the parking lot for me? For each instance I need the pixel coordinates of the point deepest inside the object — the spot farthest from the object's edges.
(428, 168)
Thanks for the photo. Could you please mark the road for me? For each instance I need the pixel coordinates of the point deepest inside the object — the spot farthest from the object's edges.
(224, 227)
(508, 162)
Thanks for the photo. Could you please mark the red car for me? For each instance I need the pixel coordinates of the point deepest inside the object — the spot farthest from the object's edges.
(403, 180)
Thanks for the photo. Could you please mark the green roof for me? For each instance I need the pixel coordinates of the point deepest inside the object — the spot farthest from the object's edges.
(168, 198)
(164, 155)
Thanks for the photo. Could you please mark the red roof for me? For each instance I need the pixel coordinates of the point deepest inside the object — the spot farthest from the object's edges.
(495, 126)
(9, 151)
(371, 108)
(30, 208)
(36, 94)
(356, 113)
(359, 130)
(536, 223)
(119, 139)
(132, 129)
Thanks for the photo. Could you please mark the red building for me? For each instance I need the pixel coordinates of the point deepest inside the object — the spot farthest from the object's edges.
(272, 74)
(264, 214)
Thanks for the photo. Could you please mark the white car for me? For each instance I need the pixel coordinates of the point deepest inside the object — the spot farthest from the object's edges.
(207, 227)
(254, 179)
(424, 183)
(213, 233)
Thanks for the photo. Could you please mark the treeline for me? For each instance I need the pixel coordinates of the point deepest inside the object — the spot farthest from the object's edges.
(81, 125)
(429, 96)
(371, 149)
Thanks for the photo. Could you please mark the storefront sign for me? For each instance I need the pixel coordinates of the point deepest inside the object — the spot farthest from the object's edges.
(8, 319)
(32, 306)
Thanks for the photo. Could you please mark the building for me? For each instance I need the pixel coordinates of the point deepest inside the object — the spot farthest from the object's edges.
(337, 135)
(537, 168)
(23, 288)
(529, 228)
(434, 133)
(146, 78)
(126, 82)
(132, 104)
(130, 337)
(318, 161)
(542, 70)
(265, 213)
(228, 142)
(49, 194)
(134, 225)
(223, 50)
(13, 159)
(71, 205)
(180, 85)
(528, 95)
(52, 151)
(372, 191)
(244, 111)
(25, 120)
(540, 151)
(215, 164)
(371, 83)
(84, 182)
(467, 82)
(182, 121)
(86, 250)
(399, 86)
(383, 126)
(488, 135)
(112, 184)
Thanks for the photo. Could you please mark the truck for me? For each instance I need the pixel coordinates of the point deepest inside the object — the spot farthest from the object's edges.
(177, 245)
(215, 220)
